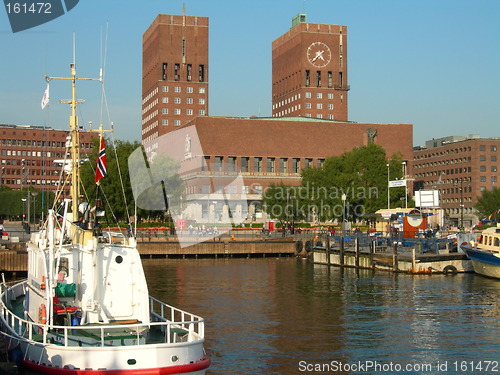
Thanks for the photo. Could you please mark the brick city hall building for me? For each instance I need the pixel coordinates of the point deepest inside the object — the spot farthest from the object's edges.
(309, 120)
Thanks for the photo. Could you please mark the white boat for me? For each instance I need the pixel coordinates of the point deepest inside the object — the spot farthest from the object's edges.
(85, 306)
(485, 253)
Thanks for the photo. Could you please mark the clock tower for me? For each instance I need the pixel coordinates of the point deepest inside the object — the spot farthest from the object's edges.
(310, 71)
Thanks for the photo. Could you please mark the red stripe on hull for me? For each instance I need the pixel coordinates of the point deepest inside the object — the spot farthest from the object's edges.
(170, 370)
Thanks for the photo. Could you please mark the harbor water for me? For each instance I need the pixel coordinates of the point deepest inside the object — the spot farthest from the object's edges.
(288, 316)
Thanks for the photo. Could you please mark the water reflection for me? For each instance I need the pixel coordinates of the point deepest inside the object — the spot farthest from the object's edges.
(275, 316)
(265, 316)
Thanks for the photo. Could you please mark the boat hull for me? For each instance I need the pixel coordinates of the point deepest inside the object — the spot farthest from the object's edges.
(484, 263)
(158, 348)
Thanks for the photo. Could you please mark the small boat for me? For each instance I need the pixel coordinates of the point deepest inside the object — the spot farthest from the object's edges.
(485, 253)
(85, 306)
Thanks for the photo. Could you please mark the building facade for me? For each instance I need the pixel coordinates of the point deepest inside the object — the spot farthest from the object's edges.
(308, 123)
(174, 73)
(460, 168)
(33, 155)
(309, 75)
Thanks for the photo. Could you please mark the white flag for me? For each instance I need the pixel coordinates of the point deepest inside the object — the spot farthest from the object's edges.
(45, 99)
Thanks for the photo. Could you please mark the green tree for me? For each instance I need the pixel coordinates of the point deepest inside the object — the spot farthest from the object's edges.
(360, 175)
(13, 205)
(283, 202)
(117, 199)
(488, 204)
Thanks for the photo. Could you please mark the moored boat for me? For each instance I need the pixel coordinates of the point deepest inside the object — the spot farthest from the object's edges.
(85, 307)
(485, 253)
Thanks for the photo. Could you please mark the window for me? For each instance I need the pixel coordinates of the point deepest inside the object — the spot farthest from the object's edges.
(482, 158)
(257, 164)
(177, 89)
(309, 162)
(218, 163)
(482, 168)
(270, 165)
(164, 122)
(177, 122)
(201, 90)
(189, 112)
(244, 164)
(189, 69)
(164, 111)
(201, 73)
(283, 165)
(177, 69)
(295, 165)
(164, 99)
(201, 112)
(493, 168)
(164, 72)
(493, 158)
(189, 90)
(319, 95)
(189, 100)
(177, 100)
(493, 148)
(482, 148)
(201, 101)
(308, 78)
(319, 106)
(320, 162)
(482, 178)
(330, 80)
(231, 164)
(318, 78)
(308, 95)
(308, 105)
(177, 111)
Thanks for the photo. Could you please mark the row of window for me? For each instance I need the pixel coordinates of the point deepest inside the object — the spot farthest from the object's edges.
(257, 164)
(317, 79)
(493, 158)
(454, 151)
(448, 172)
(308, 95)
(42, 144)
(177, 89)
(189, 72)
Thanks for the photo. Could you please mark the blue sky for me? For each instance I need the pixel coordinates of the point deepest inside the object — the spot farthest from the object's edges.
(432, 63)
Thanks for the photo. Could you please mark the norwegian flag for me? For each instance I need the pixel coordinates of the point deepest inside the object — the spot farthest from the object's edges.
(100, 170)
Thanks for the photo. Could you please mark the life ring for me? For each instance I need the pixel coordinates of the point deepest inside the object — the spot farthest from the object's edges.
(42, 314)
(298, 247)
(308, 246)
(449, 269)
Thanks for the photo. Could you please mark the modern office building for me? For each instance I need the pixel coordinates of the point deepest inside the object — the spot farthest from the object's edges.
(460, 168)
(174, 73)
(309, 77)
(33, 155)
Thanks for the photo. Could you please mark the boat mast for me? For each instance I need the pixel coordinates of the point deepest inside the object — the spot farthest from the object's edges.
(75, 138)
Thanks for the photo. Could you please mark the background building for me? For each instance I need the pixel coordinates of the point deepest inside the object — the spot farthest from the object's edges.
(309, 106)
(309, 75)
(460, 168)
(174, 73)
(29, 155)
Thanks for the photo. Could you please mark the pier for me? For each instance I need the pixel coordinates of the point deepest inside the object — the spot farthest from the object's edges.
(365, 253)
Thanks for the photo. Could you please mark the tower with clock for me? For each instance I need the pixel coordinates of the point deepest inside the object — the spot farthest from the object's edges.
(310, 71)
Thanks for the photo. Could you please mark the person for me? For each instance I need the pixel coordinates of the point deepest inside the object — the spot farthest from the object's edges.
(2, 228)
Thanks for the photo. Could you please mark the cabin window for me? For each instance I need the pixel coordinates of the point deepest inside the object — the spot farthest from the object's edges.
(497, 242)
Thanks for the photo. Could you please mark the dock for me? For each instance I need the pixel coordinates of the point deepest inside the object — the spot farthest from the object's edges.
(395, 258)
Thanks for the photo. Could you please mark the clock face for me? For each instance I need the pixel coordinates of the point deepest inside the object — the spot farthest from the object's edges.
(319, 54)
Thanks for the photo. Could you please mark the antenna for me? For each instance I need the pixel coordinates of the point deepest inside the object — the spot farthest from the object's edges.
(74, 48)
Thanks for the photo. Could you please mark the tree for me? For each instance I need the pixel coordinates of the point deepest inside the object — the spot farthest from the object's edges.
(13, 205)
(119, 200)
(488, 204)
(283, 202)
(360, 176)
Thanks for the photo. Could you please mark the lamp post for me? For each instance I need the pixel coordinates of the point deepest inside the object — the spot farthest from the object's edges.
(406, 184)
(388, 188)
(24, 208)
(344, 197)
(34, 194)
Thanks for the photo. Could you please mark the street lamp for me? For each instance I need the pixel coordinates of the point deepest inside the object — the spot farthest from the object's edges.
(388, 188)
(24, 208)
(34, 194)
(406, 184)
(344, 197)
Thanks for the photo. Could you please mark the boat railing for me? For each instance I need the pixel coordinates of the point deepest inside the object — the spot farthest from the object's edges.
(174, 325)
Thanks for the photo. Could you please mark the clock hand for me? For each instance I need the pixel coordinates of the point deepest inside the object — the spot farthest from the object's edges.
(318, 54)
